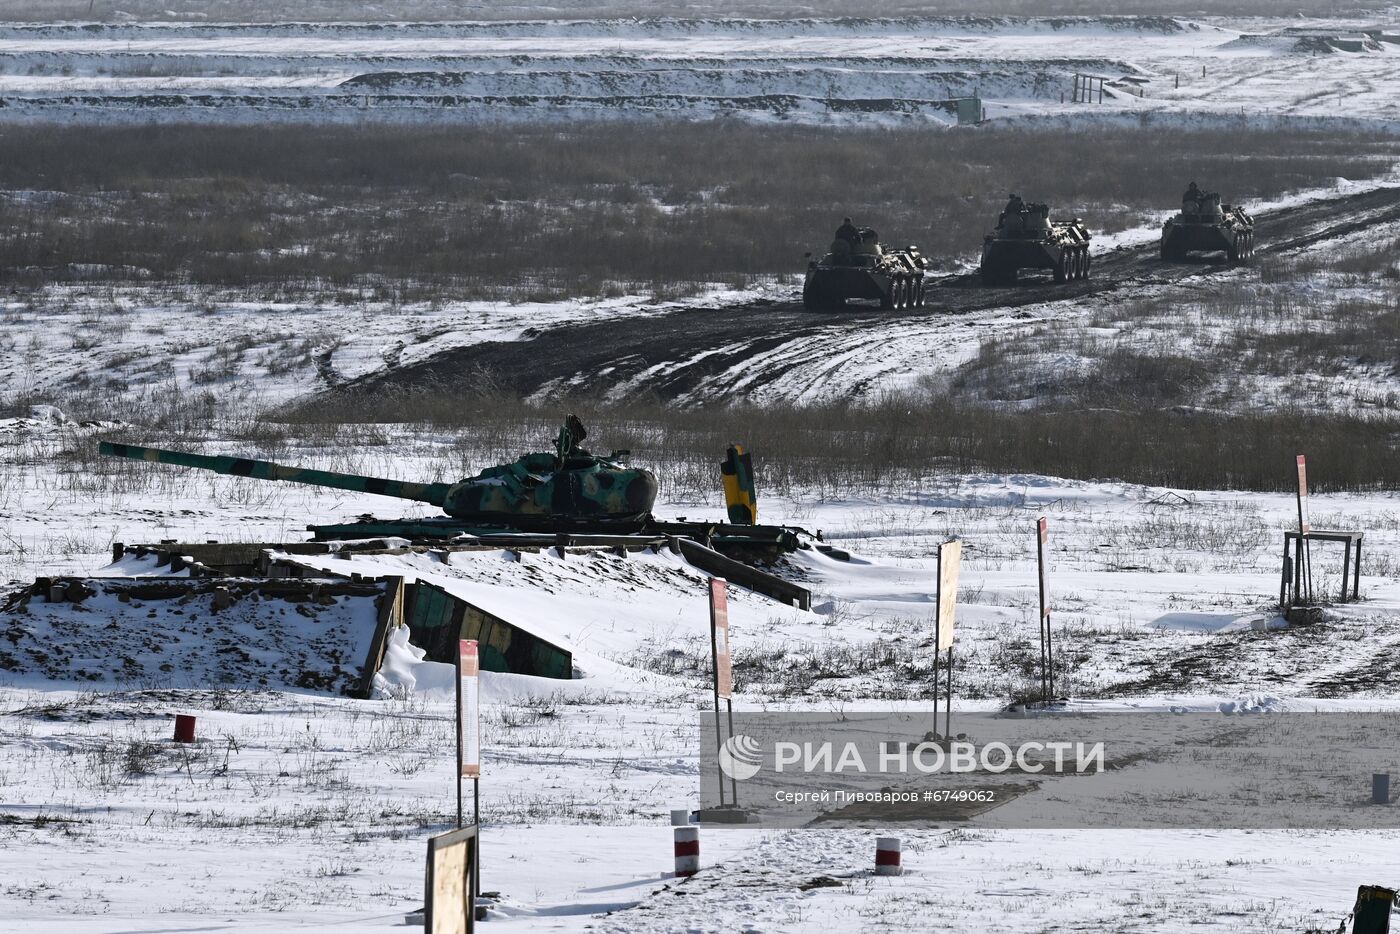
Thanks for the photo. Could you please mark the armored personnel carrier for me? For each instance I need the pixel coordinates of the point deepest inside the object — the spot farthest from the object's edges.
(1207, 226)
(859, 267)
(1025, 238)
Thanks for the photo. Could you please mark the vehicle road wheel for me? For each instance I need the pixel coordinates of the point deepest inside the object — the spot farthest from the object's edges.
(922, 285)
(1088, 262)
(1062, 267)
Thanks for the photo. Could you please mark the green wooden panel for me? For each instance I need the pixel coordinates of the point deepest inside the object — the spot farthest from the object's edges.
(437, 619)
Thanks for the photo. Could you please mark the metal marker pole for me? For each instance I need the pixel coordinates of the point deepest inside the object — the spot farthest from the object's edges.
(937, 632)
(476, 822)
(457, 769)
(1304, 546)
(1044, 632)
(1305, 552)
(948, 717)
(733, 782)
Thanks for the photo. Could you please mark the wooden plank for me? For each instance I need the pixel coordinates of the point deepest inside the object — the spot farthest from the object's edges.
(390, 618)
(736, 572)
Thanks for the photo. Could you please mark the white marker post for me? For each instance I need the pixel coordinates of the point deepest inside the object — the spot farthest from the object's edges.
(723, 669)
(1047, 653)
(1304, 561)
(469, 738)
(949, 563)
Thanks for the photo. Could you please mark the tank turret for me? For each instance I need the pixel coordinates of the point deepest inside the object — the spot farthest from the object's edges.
(534, 491)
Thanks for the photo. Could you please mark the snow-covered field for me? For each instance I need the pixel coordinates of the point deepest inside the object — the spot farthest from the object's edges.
(134, 340)
(300, 810)
(809, 70)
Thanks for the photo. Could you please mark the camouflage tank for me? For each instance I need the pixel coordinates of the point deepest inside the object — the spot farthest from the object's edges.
(541, 490)
(1207, 226)
(1026, 238)
(861, 268)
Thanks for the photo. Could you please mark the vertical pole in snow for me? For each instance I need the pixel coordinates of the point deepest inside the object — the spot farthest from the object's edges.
(719, 731)
(937, 633)
(723, 679)
(948, 567)
(476, 822)
(733, 782)
(948, 716)
(459, 741)
(469, 740)
(1042, 533)
(1304, 527)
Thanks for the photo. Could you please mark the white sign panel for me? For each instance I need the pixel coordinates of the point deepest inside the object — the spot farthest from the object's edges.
(949, 562)
(1304, 519)
(719, 619)
(469, 708)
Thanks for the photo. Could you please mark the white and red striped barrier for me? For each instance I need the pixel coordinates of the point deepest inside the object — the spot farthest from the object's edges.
(687, 851)
(887, 856)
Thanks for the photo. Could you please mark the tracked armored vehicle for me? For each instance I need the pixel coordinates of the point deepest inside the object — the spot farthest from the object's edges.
(1207, 226)
(566, 493)
(861, 268)
(1026, 238)
(538, 489)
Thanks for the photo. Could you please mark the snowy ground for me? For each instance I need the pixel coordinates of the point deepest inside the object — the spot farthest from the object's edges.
(301, 810)
(810, 70)
(131, 340)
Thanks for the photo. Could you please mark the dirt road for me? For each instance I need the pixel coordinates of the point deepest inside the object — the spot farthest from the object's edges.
(695, 354)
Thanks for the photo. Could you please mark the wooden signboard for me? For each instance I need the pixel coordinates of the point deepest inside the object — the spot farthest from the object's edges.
(719, 622)
(468, 709)
(949, 563)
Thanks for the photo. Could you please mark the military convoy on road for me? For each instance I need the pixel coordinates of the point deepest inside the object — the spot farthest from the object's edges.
(857, 266)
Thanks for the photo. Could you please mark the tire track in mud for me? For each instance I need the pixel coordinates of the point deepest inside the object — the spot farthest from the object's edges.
(706, 353)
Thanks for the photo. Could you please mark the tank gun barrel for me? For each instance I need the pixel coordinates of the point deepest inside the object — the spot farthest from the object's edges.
(435, 493)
